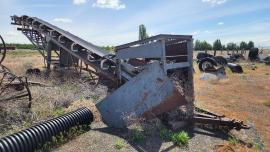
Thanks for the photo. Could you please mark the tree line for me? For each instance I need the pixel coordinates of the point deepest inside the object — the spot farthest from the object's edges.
(21, 46)
(217, 45)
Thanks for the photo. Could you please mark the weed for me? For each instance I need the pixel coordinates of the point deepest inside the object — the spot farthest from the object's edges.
(166, 134)
(233, 141)
(82, 98)
(59, 112)
(267, 103)
(119, 144)
(63, 137)
(257, 146)
(95, 98)
(180, 138)
(137, 135)
(267, 73)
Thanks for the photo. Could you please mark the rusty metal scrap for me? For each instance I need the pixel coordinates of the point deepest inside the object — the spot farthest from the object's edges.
(3, 49)
(140, 90)
(13, 87)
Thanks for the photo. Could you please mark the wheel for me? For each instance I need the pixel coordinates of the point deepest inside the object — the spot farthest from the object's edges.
(207, 64)
(3, 50)
(201, 55)
(221, 60)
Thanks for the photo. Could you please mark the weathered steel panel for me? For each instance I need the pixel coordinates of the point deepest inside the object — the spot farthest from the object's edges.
(153, 50)
(149, 93)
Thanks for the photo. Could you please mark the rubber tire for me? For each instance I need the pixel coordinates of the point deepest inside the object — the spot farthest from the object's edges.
(221, 60)
(211, 60)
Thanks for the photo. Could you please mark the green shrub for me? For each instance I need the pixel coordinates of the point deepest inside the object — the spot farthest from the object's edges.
(59, 112)
(233, 141)
(180, 138)
(95, 98)
(119, 144)
(137, 135)
(63, 138)
(165, 134)
(267, 103)
(257, 146)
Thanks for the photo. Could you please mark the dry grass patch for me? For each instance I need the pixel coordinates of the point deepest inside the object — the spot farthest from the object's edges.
(85, 103)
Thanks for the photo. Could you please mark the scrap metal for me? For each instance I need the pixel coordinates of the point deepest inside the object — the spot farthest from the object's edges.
(12, 87)
(150, 77)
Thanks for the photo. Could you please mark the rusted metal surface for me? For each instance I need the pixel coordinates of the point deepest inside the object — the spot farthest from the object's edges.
(141, 70)
(3, 49)
(150, 93)
(13, 87)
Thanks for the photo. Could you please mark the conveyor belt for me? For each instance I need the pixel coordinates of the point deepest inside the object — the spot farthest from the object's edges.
(87, 45)
(40, 32)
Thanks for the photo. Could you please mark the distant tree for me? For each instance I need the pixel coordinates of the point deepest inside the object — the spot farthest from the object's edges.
(217, 46)
(209, 46)
(108, 48)
(231, 46)
(250, 45)
(205, 46)
(224, 47)
(197, 46)
(22, 46)
(243, 46)
(142, 32)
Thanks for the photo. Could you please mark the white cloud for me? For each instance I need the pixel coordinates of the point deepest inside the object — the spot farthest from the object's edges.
(11, 34)
(62, 20)
(220, 23)
(215, 2)
(196, 32)
(112, 4)
(79, 2)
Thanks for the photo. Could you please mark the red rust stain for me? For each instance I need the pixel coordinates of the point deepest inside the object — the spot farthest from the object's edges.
(169, 104)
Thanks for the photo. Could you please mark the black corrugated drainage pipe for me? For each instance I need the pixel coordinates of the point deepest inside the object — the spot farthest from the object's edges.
(29, 139)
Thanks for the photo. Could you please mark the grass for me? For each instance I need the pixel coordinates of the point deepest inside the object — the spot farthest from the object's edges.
(257, 146)
(28, 64)
(267, 103)
(137, 135)
(180, 138)
(233, 141)
(59, 112)
(23, 53)
(63, 138)
(165, 134)
(119, 144)
(95, 98)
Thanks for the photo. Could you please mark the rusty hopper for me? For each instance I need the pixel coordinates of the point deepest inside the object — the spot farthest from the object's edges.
(150, 92)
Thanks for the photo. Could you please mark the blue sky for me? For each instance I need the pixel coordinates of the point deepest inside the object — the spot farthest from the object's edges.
(114, 22)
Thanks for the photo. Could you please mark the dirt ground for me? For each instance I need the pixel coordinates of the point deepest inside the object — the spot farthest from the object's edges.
(240, 96)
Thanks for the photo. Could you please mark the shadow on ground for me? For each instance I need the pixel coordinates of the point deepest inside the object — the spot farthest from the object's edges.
(153, 142)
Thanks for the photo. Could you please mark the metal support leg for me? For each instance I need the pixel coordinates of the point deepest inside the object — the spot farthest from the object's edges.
(49, 55)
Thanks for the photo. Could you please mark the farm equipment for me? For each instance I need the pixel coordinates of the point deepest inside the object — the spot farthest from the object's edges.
(12, 87)
(149, 77)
